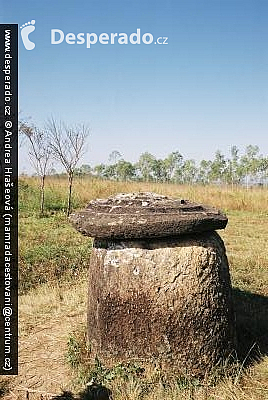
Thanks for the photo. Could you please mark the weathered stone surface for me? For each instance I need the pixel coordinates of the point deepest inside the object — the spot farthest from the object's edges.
(145, 215)
(166, 300)
(159, 285)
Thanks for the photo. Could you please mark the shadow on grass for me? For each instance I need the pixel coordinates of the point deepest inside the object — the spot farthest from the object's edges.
(92, 392)
(252, 325)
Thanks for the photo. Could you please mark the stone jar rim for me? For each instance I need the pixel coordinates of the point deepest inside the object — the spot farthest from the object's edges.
(145, 215)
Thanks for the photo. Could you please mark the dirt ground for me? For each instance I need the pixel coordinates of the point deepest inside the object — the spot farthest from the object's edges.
(43, 338)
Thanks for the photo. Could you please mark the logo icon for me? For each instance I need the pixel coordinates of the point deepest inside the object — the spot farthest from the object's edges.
(26, 29)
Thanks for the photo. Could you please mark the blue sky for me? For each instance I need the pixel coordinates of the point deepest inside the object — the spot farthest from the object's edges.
(206, 90)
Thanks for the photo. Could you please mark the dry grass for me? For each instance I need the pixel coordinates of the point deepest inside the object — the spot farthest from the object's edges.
(224, 197)
(50, 312)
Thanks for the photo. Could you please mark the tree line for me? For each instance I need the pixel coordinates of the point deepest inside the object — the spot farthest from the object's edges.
(247, 168)
(66, 144)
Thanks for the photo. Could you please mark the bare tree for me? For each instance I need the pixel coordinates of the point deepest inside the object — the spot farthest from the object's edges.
(115, 156)
(67, 144)
(39, 154)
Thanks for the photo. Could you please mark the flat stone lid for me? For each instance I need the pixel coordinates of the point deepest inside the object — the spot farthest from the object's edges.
(145, 215)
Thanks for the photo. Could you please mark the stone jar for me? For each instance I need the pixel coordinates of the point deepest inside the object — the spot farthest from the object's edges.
(159, 284)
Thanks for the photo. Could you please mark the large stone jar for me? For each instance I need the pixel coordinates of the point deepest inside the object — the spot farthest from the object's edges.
(159, 284)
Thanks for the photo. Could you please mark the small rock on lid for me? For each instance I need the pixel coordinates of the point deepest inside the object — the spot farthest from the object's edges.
(145, 215)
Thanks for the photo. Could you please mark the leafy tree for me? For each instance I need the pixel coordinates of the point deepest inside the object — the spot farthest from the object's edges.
(145, 166)
(189, 172)
(125, 170)
(110, 172)
(99, 170)
(263, 169)
(173, 163)
(159, 171)
(218, 168)
(85, 169)
(233, 173)
(250, 163)
(203, 175)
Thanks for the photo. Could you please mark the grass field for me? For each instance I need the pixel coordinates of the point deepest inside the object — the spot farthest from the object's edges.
(53, 291)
